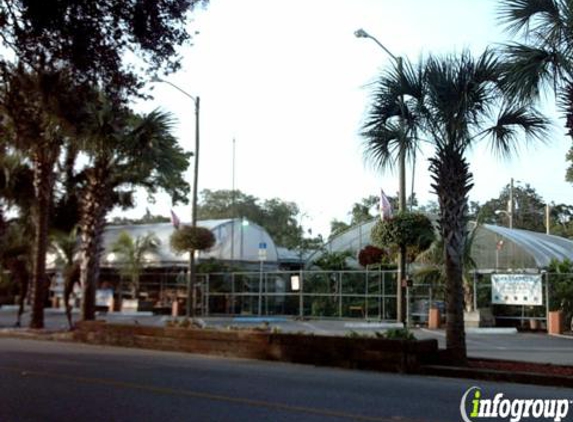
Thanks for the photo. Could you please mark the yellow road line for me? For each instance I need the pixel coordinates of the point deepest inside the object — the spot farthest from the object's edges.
(209, 396)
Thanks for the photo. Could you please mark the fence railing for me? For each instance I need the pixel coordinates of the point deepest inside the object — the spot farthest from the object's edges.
(364, 294)
(359, 294)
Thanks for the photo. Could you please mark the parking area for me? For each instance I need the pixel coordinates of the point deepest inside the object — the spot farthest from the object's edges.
(487, 343)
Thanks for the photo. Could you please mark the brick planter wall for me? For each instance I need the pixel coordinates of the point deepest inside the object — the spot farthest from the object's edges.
(361, 353)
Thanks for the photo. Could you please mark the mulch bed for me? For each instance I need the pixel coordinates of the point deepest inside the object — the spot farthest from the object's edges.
(514, 366)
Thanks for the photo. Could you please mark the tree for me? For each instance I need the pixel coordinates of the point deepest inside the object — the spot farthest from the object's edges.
(333, 261)
(191, 239)
(528, 208)
(431, 266)
(65, 246)
(278, 217)
(360, 213)
(147, 218)
(92, 39)
(62, 52)
(38, 110)
(124, 150)
(545, 61)
(455, 101)
(131, 255)
(412, 232)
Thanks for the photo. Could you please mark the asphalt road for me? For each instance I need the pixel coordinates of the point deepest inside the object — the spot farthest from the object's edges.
(45, 381)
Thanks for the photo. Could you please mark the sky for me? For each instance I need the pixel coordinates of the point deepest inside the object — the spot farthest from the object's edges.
(289, 81)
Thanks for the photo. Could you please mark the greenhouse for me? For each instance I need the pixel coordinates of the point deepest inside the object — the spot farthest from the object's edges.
(237, 241)
(494, 247)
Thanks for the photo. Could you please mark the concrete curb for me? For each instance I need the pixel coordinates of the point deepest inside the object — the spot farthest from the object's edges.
(498, 376)
(382, 325)
(492, 330)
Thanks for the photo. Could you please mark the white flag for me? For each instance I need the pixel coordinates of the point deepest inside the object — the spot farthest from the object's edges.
(385, 206)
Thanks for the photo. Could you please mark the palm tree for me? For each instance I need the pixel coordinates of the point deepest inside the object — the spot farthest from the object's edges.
(131, 255)
(454, 101)
(431, 266)
(35, 104)
(125, 150)
(65, 247)
(545, 60)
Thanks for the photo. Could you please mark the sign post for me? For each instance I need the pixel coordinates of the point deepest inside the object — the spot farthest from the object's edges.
(262, 259)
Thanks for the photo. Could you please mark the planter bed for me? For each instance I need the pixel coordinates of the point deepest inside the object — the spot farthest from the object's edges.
(362, 353)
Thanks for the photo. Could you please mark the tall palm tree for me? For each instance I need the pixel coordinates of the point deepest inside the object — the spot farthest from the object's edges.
(454, 102)
(544, 60)
(131, 254)
(125, 151)
(35, 105)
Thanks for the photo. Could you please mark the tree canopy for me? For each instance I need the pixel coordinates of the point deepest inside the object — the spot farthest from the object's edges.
(280, 218)
(98, 41)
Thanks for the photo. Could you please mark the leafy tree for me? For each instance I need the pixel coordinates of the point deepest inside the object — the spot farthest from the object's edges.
(92, 39)
(337, 227)
(545, 60)
(360, 213)
(147, 218)
(278, 217)
(528, 212)
(455, 101)
(61, 52)
(561, 282)
(412, 231)
(131, 254)
(334, 261)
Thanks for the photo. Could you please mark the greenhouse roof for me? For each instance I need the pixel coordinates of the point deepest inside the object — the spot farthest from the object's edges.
(237, 240)
(539, 248)
(542, 247)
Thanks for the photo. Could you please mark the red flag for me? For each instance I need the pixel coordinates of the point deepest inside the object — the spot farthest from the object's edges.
(385, 206)
(175, 220)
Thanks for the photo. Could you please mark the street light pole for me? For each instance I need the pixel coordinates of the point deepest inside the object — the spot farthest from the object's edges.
(191, 276)
(361, 33)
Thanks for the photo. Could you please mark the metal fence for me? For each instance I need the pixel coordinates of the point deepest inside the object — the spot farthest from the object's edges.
(362, 294)
(338, 294)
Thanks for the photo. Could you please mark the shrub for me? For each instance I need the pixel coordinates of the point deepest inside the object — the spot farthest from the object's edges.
(371, 255)
(399, 334)
(188, 238)
(412, 230)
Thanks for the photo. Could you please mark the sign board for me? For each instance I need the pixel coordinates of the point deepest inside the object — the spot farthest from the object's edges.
(516, 289)
(262, 251)
(104, 297)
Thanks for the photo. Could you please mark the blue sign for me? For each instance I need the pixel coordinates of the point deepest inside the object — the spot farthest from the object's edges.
(262, 245)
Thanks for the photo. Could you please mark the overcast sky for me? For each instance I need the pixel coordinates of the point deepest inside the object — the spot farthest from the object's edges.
(288, 80)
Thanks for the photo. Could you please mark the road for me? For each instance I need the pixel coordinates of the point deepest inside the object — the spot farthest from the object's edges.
(48, 381)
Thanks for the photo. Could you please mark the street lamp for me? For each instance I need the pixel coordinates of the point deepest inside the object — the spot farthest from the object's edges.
(190, 309)
(361, 33)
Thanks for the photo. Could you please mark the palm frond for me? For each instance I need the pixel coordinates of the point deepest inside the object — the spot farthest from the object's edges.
(516, 123)
(531, 16)
(529, 69)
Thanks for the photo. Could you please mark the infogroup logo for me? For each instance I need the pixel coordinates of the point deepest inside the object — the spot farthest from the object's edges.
(513, 410)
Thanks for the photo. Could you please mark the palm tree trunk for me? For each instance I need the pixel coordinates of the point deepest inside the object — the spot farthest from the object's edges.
(452, 182)
(44, 178)
(94, 209)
